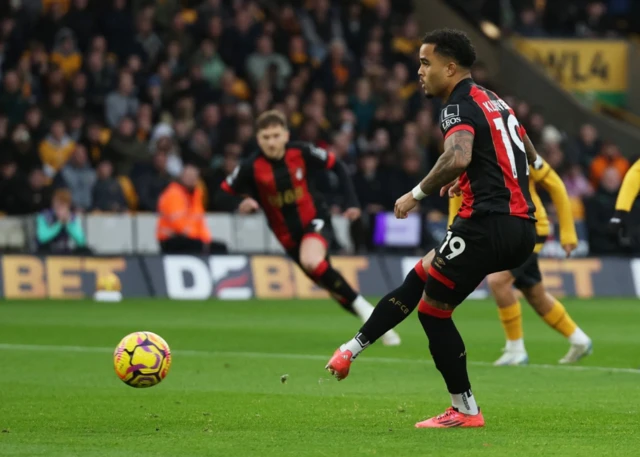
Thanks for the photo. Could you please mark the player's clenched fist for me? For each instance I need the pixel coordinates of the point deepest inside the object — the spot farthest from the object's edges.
(248, 205)
(404, 204)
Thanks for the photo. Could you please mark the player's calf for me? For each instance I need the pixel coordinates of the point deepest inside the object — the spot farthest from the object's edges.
(557, 317)
(448, 352)
(392, 309)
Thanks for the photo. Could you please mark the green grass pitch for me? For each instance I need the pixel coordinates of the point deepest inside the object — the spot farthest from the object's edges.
(59, 395)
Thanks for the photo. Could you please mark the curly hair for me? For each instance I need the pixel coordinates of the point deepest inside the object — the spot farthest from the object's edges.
(452, 43)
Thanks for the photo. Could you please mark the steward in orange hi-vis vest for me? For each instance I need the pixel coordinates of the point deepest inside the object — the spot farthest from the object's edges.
(181, 213)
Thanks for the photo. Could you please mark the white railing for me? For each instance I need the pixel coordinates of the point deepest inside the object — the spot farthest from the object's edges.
(136, 234)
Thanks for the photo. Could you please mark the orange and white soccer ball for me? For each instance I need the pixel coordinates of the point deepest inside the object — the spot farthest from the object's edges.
(142, 359)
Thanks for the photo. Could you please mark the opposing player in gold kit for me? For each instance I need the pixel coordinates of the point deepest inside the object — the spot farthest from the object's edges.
(618, 225)
(528, 279)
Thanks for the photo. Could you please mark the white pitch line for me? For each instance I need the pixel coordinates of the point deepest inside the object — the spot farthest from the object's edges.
(275, 355)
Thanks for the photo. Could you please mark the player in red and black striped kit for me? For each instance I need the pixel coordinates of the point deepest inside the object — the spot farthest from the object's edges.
(486, 155)
(280, 179)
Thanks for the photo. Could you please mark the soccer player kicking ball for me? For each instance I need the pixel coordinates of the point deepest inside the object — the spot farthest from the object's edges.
(280, 179)
(487, 152)
(528, 279)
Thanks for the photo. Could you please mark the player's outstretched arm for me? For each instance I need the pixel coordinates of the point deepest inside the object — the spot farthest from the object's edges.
(551, 182)
(529, 149)
(452, 163)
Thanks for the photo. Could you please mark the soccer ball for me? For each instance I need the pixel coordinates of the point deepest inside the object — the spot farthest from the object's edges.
(142, 359)
(108, 282)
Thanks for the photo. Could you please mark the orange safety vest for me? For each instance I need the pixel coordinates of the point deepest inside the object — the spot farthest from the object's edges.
(182, 213)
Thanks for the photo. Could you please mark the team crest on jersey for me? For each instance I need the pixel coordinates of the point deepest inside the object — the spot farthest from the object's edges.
(299, 174)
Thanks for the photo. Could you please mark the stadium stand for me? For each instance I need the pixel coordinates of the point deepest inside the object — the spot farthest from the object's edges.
(112, 98)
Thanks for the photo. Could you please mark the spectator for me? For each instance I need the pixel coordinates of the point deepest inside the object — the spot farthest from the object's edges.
(354, 27)
(107, 192)
(594, 21)
(336, 70)
(210, 9)
(59, 229)
(117, 24)
(146, 38)
(14, 188)
(320, 26)
(178, 33)
(369, 184)
(77, 96)
(363, 105)
(210, 123)
(212, 65)
(162, 139)
(78, 176)
(599, 209)
(100, 78)
(65, 53)
(259, 62)
(197, 150)
(55, 109)
(151, 181)
(94, 142)
(76, 126)
(405, 45)
(40, 191)
(81, 20)
(35, 124)
(298, 57)
(576, 182)
(124, 148)
(12, 101)
(122, 102)
(50, 22)
(230, 161)
(24, 149)
(56, 148)
(529, 25)
(609, 156)
(588, 144)
(182, 228)
(239, 40)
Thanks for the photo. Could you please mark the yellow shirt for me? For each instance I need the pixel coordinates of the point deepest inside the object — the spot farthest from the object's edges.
(629, 189)
(68, 64)
(55, 155)
(551, 182)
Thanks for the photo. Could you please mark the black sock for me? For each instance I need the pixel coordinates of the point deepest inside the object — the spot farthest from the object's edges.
(329, 279)
(447, 349)
(394, 307)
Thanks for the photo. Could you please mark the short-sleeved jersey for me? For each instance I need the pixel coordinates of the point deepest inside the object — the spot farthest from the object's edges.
(497, 178)
(284, 188)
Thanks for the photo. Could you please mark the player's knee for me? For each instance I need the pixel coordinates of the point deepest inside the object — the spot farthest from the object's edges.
(427, 259)
(499, 281)
(310, 264)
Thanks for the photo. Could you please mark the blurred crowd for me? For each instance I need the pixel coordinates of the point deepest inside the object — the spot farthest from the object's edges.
(557, 18)
(111, 99)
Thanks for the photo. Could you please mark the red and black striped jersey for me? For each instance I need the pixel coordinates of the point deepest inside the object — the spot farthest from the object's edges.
(497, 179)
(285, 188)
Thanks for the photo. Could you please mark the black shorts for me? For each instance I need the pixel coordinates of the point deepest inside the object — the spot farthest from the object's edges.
(474, 248)
(321, 229)
(528, 274)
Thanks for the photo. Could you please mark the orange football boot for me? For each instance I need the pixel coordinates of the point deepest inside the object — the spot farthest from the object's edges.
(339, 364)
(453, 418)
